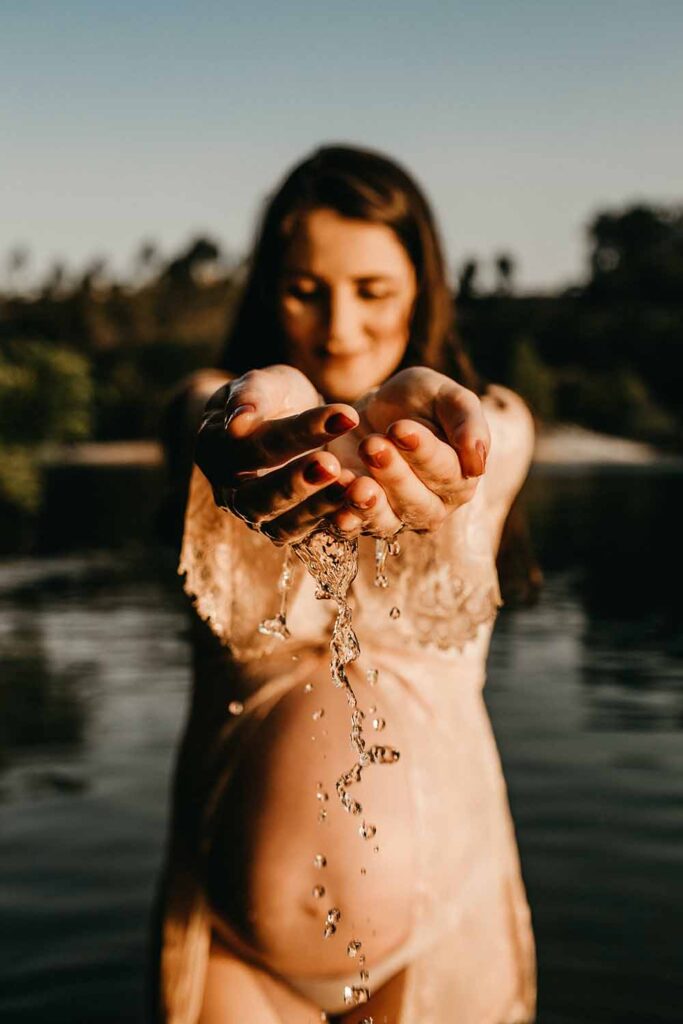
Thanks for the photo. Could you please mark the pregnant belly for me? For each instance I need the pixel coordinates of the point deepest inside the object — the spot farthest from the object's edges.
(277, 826)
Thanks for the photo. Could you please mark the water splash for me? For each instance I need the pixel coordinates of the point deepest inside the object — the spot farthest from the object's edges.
(354, 995)
(332, 561)
(277, 626)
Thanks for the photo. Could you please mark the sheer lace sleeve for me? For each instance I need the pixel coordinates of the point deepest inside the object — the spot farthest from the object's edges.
(445, 585)
(231, 572)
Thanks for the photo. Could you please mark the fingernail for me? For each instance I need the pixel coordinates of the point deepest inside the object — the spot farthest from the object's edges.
(335, 492)
(408, 442)
(366, 503)
(379, 459)
(338, 422)
(480, 449)
(239, 411)
(315, 473)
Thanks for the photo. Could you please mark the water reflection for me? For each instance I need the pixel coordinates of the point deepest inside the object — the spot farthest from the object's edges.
(609, 540)
(585, 695)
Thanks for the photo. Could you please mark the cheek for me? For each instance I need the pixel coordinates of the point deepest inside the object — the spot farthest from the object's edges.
(300, 325)
(392, 324)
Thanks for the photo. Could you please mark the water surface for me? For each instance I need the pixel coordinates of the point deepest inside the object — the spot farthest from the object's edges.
(586, 696)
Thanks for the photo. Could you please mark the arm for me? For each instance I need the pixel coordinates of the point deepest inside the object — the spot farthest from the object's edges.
(512, 444)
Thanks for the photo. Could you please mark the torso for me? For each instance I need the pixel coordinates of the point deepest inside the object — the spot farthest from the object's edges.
(261, 872)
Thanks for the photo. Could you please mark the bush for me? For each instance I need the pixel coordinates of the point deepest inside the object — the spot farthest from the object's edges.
(534, 381)
(45, 394)
(616, 402)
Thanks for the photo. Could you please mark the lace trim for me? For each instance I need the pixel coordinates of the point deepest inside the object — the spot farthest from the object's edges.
(445, 585)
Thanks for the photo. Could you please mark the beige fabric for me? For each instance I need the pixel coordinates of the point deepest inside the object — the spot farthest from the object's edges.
(475, 954)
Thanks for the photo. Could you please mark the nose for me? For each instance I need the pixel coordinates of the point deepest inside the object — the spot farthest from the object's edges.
(344, 329)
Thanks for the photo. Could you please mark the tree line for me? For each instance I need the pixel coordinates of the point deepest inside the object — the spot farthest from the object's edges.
(88, 357)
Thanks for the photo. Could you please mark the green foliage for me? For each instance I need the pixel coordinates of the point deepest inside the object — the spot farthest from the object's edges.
(45, 394)
(616, 402)
(20, 480)
(533, 380)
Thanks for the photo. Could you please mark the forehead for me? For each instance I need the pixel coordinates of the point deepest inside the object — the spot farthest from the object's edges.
(328, 245)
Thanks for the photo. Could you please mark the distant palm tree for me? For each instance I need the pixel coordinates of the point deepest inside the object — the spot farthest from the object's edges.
(505, 273)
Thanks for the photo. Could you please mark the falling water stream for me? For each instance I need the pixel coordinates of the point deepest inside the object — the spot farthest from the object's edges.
(332, 561)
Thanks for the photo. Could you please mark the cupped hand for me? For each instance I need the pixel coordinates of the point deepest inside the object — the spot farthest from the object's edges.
(260, 444)
(424, 448)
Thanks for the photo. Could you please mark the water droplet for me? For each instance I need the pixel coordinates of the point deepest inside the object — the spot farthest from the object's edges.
(371, 675)
(372, 709)
(322, 814)
(331, 921)
(308, 688)
(378, 724)
(320, 860)
(363, 871)
(235, 707)
(375, 849)
(364, 976)
(394, 548)
(354, 995)
(367, 831)
(322, 795)
(395, 613)
(318, 892)
(318, 714)
(275, 627)
(352, 948)
(368, 1020)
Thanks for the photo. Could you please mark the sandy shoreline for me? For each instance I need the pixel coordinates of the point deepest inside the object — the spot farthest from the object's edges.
(559, 445)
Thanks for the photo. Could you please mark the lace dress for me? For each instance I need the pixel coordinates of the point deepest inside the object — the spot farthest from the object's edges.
(474, 952)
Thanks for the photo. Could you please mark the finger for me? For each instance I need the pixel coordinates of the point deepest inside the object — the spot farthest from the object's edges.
(271, 392)
(433, 461)
(275, 493)
(263, 445)
(370, 508)
(460, 414)
(300, 520)
(412, 502)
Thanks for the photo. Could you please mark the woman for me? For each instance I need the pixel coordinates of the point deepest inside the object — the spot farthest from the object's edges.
(343, 405)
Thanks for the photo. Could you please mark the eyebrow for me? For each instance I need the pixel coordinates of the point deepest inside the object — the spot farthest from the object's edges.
(361, 279)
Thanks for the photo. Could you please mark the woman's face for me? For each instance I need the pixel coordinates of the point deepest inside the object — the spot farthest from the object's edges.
(345, 301)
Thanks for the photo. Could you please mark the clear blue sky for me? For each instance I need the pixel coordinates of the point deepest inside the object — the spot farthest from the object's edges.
(132, 120)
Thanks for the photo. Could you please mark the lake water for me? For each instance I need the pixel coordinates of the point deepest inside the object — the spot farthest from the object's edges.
(585, 692)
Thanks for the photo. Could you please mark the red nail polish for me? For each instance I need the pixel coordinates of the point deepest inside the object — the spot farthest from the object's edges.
(366, 504)
(379, 459)
(408, 442)
(338, 422)
(315, 473)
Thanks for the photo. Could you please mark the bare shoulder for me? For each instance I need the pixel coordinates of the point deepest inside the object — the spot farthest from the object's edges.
(512, 445)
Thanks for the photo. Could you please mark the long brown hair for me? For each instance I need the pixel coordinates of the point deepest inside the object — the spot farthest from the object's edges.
(361, 185)
(364, 185)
